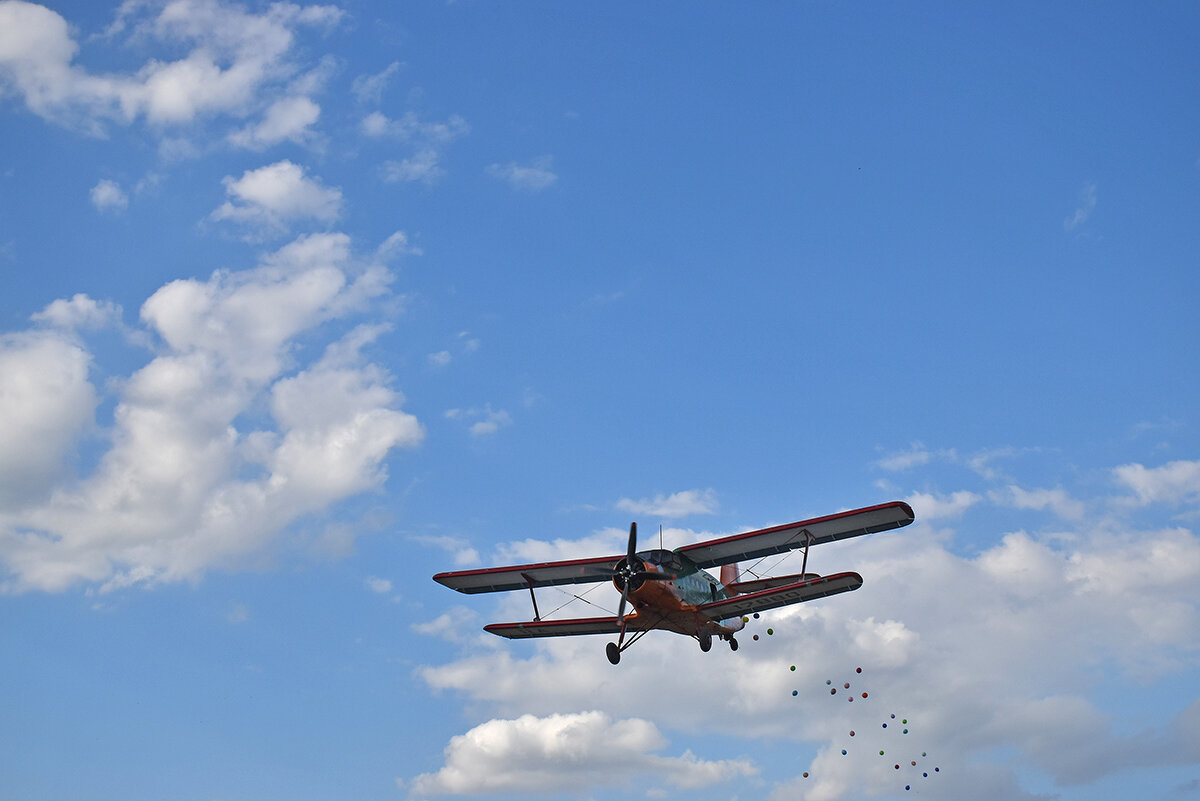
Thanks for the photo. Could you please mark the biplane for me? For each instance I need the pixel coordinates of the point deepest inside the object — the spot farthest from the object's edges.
(673, 590)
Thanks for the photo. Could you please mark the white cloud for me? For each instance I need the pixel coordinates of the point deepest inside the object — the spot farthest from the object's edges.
(379, 586)
(421, 167)
(186, 484)
(397, 245)
(565, 753)
(1055, 499)
(1087, 204)
(1175, 482)
(928, 506)
(678, 504)
(464, 555)
(493, 420)
(915, 456)
(288, 119)
(234, 57)
(486, 421)
(46, 403)
(270, 198)
(411, 127)
(533, 177)
(108, 196)
(80, 312)
(439, 359)
(369, 88)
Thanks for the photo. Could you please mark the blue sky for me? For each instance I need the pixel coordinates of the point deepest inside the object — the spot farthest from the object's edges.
(306, 303)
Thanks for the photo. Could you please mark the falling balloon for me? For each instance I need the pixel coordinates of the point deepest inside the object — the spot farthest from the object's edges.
(864, 695)
(843, 752)
(852, 732)
(770, 631)
(858, 670)
(805, 774)
(793, 667)
(795, 693)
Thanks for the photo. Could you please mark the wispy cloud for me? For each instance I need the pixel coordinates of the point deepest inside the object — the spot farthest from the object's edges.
(1087, 204)
(678, 504)
(533, 177)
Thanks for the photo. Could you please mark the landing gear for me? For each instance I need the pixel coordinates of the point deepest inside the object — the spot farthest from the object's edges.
(705, 641)
(614, 653)
(732, 644)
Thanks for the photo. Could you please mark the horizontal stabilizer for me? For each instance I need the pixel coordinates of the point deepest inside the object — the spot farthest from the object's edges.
(754, 585)
(775, 597)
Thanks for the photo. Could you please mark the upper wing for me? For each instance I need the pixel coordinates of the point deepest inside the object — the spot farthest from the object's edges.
(519, 577)
(563, 628)
(767, 541)
(782, 596)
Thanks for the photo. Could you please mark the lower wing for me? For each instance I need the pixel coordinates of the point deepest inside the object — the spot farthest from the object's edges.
(565, 628)
(775, 597)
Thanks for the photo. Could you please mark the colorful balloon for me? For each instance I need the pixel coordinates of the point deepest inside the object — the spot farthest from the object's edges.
(858, 670)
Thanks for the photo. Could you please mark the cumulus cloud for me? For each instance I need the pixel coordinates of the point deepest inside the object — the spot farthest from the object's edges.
(217, 445)
(233, 58)
(678, 504)
(270, 198)
(1175, 482)
(46, 403)
(289, 119)
(108, 196)
(533, 177)
(80, 312)
(1004, 650)
(564, 753)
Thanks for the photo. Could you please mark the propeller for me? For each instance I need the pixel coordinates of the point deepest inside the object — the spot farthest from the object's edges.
(630, 573)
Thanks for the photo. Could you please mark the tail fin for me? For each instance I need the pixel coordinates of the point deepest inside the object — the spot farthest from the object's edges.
(729, 574)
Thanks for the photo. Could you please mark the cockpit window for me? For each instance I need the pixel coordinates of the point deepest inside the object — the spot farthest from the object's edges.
(672, 562)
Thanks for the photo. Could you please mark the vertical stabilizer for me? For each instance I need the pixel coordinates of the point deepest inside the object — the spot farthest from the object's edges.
(729, 574)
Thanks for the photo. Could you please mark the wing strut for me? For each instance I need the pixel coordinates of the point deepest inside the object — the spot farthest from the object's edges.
(804, 565)
(537, 616)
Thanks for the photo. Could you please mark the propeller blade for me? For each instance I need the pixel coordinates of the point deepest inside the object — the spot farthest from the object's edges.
(632, 550)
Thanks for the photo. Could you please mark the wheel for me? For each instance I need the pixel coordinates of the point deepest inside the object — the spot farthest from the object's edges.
(614, 653)
(705, 641)
(732, 644)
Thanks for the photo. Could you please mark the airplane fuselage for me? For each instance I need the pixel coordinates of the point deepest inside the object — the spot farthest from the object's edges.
(671, 604)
